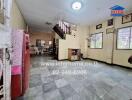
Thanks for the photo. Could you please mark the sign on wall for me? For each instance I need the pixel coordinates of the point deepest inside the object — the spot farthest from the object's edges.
(117, 11)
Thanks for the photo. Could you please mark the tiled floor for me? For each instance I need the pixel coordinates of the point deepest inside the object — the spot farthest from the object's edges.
(98, 81)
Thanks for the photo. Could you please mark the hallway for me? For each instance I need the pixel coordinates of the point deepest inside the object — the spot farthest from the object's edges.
(53, 80)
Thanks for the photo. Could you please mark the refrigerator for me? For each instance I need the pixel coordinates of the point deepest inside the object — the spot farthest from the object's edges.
(16, 68)
(21, 63)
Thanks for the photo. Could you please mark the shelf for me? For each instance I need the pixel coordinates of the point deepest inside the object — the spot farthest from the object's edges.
(74, 54)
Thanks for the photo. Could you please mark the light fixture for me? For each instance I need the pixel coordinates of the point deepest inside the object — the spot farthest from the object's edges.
(77, 5)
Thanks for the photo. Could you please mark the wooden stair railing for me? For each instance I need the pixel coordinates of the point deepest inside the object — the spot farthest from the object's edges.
(62, 29)
(59, 31)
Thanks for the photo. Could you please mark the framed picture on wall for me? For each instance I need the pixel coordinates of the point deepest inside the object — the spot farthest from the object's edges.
(127, 18)
(110, 30)
(99, 26)
(110, 22)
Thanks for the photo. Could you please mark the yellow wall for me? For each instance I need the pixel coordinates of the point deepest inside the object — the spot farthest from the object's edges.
(120, 57)
(17, 20)
(106, 54)
(69, 42)
(83, 32)
(57, 36)
(99, 54)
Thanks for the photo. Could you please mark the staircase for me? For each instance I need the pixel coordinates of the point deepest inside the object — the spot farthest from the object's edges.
(62, 28)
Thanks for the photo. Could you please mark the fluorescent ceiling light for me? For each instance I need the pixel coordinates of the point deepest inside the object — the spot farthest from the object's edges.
(76, 5)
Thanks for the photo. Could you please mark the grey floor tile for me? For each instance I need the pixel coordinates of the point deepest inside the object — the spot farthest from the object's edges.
(120, 93)
(75, 97)
(46, 79)
(53, 95)
(77, 85)
(101, 88)
(35, 80)
(107, 97)
(127, 83)
(40, 70)
(47, 87)
(91, 89)
(34, 91)
(88, 95)
(67, 91)
(39, 97)
(61, 83)
(102, 81)
(56, 77)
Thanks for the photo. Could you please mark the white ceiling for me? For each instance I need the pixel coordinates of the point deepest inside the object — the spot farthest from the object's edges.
(38, 12)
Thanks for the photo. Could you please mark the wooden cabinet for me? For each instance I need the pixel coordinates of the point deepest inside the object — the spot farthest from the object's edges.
(74, 54)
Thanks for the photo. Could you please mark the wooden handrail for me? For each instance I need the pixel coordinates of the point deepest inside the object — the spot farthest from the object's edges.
(67, 28)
